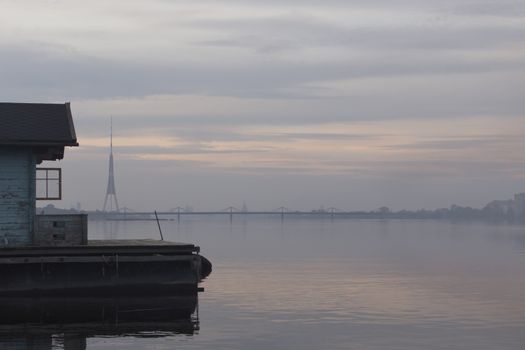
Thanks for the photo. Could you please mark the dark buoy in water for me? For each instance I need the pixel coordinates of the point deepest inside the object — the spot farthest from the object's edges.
(205, 267)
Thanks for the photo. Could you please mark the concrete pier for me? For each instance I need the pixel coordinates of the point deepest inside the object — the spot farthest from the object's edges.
(120, 267)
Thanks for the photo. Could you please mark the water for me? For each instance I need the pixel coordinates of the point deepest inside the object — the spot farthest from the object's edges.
(326, 284)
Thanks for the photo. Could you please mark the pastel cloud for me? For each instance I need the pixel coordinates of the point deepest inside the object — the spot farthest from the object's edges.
(362, 95)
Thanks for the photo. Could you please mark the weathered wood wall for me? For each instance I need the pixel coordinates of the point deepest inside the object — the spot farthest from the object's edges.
(25, 342)
(17, 195)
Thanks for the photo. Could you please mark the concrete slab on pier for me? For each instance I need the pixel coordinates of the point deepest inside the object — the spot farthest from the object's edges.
(103, 247)
(134, 242)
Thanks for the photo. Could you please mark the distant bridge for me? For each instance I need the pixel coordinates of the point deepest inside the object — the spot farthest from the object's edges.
(231, 212)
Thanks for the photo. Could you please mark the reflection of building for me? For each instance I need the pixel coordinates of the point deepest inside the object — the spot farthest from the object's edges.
(48, 323)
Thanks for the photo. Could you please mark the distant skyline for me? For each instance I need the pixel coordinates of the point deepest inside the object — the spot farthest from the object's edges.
(353, 104)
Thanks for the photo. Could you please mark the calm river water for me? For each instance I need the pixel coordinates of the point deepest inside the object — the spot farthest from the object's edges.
(326, 284)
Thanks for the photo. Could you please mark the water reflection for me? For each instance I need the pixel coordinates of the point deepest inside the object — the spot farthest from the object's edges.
(67, 323)
(111, 228)
(367, 284)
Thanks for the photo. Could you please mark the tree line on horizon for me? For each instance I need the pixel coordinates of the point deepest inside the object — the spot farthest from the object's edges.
(507, 210)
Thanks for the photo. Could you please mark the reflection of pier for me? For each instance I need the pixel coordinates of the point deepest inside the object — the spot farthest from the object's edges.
(66, 323)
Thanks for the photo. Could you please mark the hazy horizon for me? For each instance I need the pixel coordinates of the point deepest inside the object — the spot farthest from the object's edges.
(352, 104)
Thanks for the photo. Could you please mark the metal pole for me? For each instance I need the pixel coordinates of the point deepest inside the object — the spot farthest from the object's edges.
(158, 224)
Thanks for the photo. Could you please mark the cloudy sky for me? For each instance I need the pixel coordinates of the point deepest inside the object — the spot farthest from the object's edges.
(347, 103)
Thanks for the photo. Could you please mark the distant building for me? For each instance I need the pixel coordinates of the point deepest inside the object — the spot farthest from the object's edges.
(383, 210)
(111, 192)
(519, 200)
(512, 208)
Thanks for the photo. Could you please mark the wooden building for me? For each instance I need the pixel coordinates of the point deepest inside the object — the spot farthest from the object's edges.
(29, 134)
(51, 254)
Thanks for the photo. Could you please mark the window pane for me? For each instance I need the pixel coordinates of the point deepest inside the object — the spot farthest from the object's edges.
(53, 174)
(41, 189)
(48, 183)
(53, 189)
(41, 174)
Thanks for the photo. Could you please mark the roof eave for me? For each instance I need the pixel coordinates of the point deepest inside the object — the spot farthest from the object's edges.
(72, 143)
(70, 120)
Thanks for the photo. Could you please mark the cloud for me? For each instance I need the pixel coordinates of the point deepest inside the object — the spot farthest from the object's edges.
(230, 51)
(290, 33)
(366, 94)
(387, 96)
(505, 8)
(460, 143)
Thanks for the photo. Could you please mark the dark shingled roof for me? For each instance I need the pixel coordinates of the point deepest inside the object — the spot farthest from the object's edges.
(36, 124)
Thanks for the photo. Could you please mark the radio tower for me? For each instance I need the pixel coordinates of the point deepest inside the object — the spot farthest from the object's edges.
(111, 193)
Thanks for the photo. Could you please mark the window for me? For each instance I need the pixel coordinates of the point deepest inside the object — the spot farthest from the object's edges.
(59, 237)
(59, 224)
(48, 184)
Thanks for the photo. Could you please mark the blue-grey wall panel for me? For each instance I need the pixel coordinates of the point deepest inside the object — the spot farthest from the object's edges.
(17, 195)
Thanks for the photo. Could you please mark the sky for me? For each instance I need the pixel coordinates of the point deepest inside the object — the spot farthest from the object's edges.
(351, 104)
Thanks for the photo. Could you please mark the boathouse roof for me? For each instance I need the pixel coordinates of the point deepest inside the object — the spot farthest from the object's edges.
(36, 124)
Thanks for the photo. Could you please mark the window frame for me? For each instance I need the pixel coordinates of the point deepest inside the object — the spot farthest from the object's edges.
(47, 179)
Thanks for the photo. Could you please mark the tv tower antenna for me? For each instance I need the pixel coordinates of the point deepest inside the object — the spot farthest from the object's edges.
(111, 193)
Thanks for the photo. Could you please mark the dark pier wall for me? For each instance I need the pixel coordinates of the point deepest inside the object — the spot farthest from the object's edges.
(100, 274)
